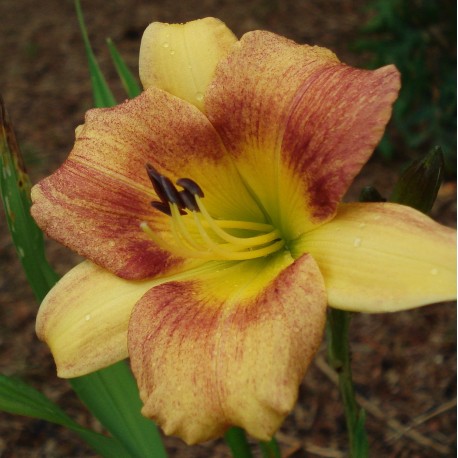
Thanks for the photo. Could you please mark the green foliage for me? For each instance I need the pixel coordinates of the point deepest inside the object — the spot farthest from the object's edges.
(419, 37)
(15, 193)
(16, 397)
(128, 80)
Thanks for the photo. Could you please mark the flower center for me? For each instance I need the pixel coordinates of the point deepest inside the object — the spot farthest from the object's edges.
(196, 234)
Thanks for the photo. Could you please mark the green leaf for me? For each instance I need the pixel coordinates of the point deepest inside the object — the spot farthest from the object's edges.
(103, 97)
(112, 396)
(236, 440)
(16, 397)
(270, 449)
(127, 78)
(15, 192)
(361, 442)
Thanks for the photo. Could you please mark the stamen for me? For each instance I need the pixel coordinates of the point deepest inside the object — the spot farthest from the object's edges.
(190, 186)
(238, 255)
(171, 192)
(154, 177)
(189, 200)
(202, 236)
(246, 241)
(247, 225)
(178, 221)
(164, 208)
(172, 248)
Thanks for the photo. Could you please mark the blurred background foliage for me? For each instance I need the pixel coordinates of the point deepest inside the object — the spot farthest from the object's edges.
(419, 37)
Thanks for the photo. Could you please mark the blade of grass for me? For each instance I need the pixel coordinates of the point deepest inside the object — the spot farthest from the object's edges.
(103, 97)
(112, 395)
(17, 397)
(127, 78)
(270, 449)
(236, 440)
(15, 192)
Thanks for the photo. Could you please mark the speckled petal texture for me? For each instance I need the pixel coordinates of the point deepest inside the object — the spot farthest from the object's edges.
(227, 349)
(96, 201)
(301, 123)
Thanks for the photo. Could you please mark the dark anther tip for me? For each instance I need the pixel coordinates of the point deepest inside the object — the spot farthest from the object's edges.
(152, 172)
(155, 178)
(190, 186)
(189, 200)
(164, 208)
(171, 192)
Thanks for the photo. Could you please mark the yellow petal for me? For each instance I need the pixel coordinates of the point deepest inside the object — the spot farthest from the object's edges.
(229, 347)
(383, 258)
(84, 319)
(181, 58)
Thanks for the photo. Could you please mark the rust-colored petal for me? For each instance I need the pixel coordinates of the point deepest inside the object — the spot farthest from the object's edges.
(383, 257)
(299, 123)
(84, 317)
(96, 201)
(227, 348)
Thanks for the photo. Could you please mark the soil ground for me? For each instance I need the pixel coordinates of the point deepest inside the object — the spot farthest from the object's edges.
(404, 363)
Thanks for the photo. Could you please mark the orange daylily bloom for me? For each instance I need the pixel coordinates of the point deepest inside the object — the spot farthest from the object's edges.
(217, 291)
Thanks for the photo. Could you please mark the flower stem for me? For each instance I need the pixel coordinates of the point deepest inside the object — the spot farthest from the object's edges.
(270, 449)
(340, 360)
(236, 440)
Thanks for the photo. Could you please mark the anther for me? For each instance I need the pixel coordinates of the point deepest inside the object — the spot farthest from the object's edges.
(171, 192)
(155, 177)
(164, 208)
(152, 172)
(191, 186)
(189, 200)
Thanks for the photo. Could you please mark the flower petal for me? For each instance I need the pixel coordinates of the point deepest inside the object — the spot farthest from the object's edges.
(84, 319)
(228, 348)
(301, 123)
(95, 202)
(181, 58)
(383, 258)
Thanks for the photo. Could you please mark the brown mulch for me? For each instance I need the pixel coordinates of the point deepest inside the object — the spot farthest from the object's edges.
(404, 363)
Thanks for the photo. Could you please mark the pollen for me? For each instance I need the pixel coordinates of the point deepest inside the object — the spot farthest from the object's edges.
(196, 234)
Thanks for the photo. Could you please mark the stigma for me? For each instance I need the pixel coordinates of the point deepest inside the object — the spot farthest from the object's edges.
(196, 234)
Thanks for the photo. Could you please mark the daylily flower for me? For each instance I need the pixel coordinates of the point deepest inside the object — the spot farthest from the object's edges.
(208, 209)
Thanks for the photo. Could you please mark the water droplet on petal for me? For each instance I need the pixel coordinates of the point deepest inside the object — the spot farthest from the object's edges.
(357, 242)
(166, 44)
(172, 52)
(199, 96)
(87, 317)
(434, 271)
